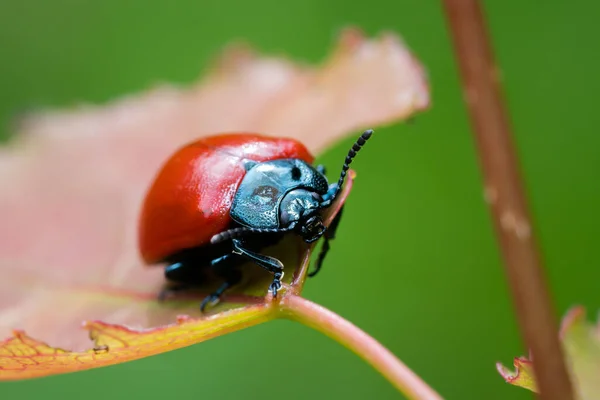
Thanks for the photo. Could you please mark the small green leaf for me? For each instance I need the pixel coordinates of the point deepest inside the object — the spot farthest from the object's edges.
(522, 375)
(581, 342)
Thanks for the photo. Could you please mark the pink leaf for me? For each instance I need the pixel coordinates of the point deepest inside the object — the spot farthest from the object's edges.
(72, 182)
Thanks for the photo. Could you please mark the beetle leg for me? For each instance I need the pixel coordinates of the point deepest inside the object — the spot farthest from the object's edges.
(184, 273)
(223, 267)
(183, 276)
(329, 235)
(321, 169)
(271, 264)
(322, 254)
(215, 297)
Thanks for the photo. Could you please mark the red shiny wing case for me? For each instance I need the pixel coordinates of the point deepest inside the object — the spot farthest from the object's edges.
(190, 198)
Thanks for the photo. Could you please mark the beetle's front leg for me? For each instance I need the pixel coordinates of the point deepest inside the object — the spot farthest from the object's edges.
(271, 264)
(329, 235)
(225, 267)
(183, 276)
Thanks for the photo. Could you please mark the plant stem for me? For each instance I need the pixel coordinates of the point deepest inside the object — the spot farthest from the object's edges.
(369, 349)
(506, 198)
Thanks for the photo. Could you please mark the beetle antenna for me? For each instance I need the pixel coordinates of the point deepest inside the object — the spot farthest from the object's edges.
(360, 142)
(243, 231)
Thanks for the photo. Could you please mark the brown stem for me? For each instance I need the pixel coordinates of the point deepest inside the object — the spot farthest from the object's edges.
(505, 196)
(369, 349)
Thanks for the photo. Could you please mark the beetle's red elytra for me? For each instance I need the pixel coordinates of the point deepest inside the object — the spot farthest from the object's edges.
(190, 198)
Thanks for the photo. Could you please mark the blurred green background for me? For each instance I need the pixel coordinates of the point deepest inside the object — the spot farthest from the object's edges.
(415, 263)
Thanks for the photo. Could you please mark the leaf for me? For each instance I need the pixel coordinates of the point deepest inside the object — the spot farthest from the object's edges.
(24, 357)
(71, 182)
(581, 342)
(522, 376)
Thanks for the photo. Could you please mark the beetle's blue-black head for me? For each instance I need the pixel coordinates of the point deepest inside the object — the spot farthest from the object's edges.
(285, 195)
(302, 209)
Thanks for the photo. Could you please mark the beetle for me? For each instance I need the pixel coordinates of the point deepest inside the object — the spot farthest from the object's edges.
(218, 201)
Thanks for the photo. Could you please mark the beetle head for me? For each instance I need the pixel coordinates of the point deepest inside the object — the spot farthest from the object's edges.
(300, 209)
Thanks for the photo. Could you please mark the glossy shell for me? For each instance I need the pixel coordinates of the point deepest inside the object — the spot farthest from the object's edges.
(257, 200)
(190, 198)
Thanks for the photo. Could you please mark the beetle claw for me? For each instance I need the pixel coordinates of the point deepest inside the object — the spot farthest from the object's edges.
(274, 289)
(211, 299)
(276, 284)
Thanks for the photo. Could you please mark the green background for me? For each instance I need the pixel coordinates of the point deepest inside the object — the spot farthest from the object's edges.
(415, 263)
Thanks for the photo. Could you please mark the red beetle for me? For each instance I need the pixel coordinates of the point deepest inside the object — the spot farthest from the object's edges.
(220, 200)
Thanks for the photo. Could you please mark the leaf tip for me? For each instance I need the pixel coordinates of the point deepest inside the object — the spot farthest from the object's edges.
(506, 373)
(350, 38)
(574, 316)
(521, 376)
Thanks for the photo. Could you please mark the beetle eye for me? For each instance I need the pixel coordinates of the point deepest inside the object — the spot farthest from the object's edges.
(296, 173)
